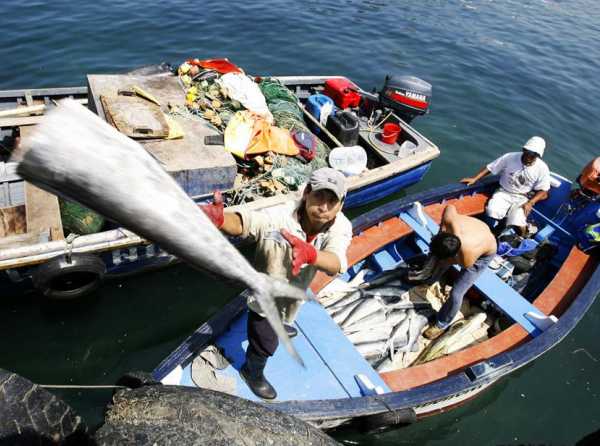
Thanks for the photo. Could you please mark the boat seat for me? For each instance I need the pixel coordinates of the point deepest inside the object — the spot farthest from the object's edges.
(333, 364)
(506, 298)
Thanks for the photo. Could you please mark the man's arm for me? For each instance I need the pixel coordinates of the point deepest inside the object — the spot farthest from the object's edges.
(539, 196)
(228, 222)
(328, 262)
(471, 180)
(232, 224)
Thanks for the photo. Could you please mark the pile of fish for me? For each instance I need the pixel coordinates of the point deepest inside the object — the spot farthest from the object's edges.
(379, 317)
(384, 320)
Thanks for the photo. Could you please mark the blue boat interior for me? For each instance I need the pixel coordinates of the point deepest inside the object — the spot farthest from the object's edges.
(332, 362)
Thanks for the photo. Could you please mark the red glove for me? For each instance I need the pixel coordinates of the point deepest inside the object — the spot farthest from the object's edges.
(303, 253)
(214, 211)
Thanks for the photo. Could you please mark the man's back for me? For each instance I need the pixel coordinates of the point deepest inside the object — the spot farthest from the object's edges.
(475, 236)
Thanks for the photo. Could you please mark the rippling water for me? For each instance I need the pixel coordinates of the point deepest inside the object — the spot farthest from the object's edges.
(501, 70)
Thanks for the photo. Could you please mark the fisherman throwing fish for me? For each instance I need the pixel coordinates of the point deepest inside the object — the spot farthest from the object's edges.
(524, 180)
(465, 241)
(294, 241)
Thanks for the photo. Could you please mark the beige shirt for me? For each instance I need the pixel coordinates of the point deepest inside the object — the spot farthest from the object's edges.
(274, 254)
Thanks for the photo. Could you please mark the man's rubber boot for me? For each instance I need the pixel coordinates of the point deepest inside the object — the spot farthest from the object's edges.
(291, 331)
(252, 373)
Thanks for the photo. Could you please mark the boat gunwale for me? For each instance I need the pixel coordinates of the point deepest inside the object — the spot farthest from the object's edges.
(437, 391)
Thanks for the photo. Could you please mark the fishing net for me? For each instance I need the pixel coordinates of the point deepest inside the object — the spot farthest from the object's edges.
(272, 89)
(286, 174)
(268, 174)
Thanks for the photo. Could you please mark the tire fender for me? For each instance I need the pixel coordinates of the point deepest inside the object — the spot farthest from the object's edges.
(69, 277)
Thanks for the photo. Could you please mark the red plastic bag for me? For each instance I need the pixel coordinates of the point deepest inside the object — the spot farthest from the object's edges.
(222, 66)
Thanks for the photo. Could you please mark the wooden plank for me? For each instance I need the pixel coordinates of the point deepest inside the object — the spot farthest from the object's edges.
(19, 121)
(38, 108)
(23, 110)
(27, 239)
(12, 221)
(43, 211)
(135, 117)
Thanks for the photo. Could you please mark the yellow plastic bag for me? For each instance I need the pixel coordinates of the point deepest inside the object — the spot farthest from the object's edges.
(268, 138)
(238, 133)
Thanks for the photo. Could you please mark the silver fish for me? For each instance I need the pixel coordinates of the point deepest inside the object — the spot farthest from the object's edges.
(346, 300)
(399, 337)
(387, 291)
(417, 323)
(440, 346)
(380, 333)
(372, 349)
(384, 277)
(364, 309)
(367, 323)
(340, 315)
(395, 317)
(384, 365)
(405, 303)
(74, 153)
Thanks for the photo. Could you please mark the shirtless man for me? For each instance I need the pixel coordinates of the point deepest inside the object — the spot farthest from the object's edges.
(469, 243)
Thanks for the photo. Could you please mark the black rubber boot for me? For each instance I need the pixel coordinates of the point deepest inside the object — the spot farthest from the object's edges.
(252, 373)
(291, 331)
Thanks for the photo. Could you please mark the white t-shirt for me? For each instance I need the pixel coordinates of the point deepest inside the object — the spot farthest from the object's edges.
(517, 178)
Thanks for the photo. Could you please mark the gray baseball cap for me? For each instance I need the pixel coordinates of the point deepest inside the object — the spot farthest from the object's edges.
(328, 178)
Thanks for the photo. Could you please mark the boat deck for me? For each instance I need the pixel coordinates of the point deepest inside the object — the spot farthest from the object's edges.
(331, 361)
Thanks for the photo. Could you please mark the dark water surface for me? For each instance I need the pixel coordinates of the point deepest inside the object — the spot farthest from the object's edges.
(502, 71)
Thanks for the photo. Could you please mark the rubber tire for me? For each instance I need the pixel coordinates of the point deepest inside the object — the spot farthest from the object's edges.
(90, 269)
(136, 379)
(380, 422)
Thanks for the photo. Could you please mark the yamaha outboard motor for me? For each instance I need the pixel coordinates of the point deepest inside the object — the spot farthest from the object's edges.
(407, 96)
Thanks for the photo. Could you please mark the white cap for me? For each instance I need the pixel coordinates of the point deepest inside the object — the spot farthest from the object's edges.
(535, 144)
(328, 178)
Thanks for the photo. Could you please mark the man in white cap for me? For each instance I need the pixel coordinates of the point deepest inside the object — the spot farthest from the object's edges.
(294, 241)
(524, 180)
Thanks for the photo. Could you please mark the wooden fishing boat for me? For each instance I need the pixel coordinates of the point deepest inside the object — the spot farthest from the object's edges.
(338, 386)
(38, 255)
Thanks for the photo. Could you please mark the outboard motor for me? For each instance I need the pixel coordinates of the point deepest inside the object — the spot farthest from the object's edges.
(407, 96)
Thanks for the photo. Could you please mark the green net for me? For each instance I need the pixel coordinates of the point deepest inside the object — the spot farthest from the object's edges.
(273, 89)
(79, 219)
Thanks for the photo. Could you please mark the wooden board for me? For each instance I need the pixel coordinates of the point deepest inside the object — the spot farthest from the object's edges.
(43, 210)
(12, 221)
(199, 169)
(135, 117)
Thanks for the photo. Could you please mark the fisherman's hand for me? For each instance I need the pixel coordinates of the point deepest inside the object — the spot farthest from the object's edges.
(303, 253)
(468, 181)
(527, 208)
(214, 211)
